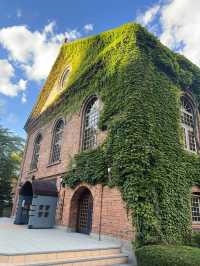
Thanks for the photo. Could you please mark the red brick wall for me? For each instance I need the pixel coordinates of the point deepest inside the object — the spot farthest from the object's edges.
(113, 217)
(70, 147)
(109, 212)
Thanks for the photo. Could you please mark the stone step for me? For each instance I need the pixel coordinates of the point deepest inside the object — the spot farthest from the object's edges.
(25, 259)
(118, 259)
(123, 264)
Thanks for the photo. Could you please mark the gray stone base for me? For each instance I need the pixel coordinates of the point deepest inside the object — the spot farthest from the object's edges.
(126, 246)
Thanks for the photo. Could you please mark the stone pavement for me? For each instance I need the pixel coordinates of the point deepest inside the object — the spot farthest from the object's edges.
(18, 239)
(5, 221)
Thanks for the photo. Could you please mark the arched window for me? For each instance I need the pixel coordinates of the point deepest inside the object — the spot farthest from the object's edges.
(64, 77)
(90, 123)
(56, 142)
(36, 152)
(188, 124)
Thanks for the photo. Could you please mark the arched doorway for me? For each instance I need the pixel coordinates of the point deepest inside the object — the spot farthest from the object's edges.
(81, 211)
(24, 204)
(37, 204)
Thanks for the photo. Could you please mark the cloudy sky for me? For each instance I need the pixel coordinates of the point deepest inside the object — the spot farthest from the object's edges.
(31, 33)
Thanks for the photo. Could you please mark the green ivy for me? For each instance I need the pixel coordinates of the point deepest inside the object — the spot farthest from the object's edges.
(140, 83)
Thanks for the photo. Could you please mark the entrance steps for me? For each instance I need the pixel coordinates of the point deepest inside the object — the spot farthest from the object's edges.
(81, 257)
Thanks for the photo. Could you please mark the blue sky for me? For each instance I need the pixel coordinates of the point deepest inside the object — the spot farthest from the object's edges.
(31, 33)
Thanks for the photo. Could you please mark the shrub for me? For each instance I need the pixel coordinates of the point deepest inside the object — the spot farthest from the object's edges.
(196, 239)
(164, 255)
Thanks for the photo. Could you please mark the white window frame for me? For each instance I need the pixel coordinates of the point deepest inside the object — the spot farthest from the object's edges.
(195, 208)
(64, 77)
(188, 129)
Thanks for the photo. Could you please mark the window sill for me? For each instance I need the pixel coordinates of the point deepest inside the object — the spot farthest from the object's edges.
(33, 171)
(54, 163)
(191, 152)
(196, 226)
(90, 148)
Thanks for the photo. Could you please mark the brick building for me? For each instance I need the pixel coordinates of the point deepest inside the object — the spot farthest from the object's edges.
(65, 122)
(50, 147)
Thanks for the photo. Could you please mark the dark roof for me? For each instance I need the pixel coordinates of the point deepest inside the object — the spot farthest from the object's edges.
(45, 188)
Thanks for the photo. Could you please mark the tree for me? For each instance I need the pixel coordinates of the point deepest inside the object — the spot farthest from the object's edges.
(11, 147)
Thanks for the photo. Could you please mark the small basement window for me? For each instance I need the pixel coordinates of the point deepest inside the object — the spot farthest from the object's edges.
(196, 207)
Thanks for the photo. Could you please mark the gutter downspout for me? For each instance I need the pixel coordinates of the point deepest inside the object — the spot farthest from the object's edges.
(101, 207)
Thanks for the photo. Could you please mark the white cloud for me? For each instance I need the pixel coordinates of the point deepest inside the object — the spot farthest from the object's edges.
(7, 86)
(24, 98)
(31, 52)
(19, 13)
(149, 15)
(34, 51)
(88, 27)
(179, 23)
(49, 28)
(72, 35)
(69, 35)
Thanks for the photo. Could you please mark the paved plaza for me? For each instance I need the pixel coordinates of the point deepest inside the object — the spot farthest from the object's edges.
(18, 239)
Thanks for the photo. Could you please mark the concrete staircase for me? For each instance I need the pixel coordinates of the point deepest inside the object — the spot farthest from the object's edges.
(87, 257)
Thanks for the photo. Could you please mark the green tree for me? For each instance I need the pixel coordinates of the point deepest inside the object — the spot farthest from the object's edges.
(11, 147)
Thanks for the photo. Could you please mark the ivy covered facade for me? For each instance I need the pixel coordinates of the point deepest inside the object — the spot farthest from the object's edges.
(138, 131)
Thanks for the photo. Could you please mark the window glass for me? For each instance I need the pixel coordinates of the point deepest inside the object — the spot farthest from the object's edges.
(91, 118)
(56, 143)
(196, 207)
(64, 77)
(188, 125)
(36, 152)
